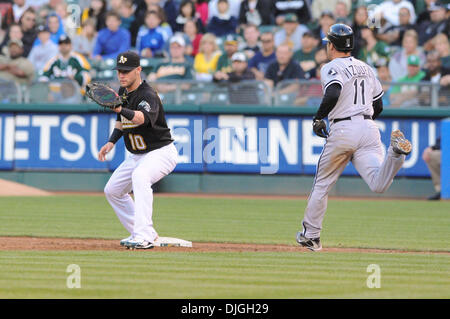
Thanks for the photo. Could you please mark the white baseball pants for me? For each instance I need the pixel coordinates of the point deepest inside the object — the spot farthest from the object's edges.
(138, 173)
(357, 140)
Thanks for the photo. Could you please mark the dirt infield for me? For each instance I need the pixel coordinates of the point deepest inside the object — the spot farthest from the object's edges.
(245, 196)
(9, 188)
(55, 244)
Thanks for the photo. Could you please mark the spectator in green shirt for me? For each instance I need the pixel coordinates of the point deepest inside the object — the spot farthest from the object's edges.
(408, 95)
(231, 47)
(305, 56)
(67, 65)
(179, 67)
(373, 49)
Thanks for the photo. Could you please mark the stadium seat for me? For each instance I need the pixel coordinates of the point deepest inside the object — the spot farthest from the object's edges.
(56, 91)
(195, 97)
(167, 98)
(220, 96)
(268, 28)
(150, 65)
(104, 75)
(285, 99)
(4, 7)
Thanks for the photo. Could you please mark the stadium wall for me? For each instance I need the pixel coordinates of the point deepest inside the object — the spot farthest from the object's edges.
(261, 150)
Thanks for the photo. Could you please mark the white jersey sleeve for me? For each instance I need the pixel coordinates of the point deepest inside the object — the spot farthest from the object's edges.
(330, 74)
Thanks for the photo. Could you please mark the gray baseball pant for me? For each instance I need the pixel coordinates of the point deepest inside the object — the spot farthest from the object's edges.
(356, 140)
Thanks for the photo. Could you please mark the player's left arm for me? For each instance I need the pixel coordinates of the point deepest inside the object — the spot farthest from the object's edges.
(147, 111)
(136, 117)
(378, 92)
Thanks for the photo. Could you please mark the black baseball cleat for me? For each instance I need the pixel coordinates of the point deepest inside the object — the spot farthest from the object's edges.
(310, 243)
(436, 196)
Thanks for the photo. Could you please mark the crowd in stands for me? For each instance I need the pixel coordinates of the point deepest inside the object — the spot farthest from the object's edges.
(228, 41)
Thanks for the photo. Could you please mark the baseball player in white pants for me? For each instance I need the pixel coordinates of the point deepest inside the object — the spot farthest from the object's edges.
(352, 100)
(141, 122)
(138, 173)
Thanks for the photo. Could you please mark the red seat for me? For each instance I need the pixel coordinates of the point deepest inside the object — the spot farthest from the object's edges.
(4, 7)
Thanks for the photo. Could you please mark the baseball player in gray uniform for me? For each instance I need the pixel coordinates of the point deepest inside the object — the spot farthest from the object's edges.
(351, 101)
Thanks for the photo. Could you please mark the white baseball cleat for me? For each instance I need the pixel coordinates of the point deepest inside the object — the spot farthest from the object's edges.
(138, 244)
(123, 241)
(399, 143)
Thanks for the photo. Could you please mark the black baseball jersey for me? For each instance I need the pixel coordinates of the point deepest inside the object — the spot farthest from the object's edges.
(154, 133)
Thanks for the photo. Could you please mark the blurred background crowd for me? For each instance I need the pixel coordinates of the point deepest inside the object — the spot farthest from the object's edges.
(189, 45)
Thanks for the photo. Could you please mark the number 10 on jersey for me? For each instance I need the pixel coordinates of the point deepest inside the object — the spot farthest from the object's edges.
(137, 142)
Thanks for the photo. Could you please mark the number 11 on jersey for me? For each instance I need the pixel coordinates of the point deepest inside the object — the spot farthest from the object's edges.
(361, 84)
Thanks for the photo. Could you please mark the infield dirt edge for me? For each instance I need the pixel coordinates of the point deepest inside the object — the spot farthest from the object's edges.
(90, 244)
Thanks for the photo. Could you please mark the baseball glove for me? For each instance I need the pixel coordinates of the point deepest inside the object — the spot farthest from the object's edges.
(320, 128)
(103, 95)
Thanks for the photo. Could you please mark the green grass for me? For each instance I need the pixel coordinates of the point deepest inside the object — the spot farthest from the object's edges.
(221, 275)
(410, 225)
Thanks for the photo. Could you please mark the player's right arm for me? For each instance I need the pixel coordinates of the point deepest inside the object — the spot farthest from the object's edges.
(377, 107)
(329, 100)
(115, 136)
(332, 86)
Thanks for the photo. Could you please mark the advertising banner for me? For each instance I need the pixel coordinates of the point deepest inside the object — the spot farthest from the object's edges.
(213, 143)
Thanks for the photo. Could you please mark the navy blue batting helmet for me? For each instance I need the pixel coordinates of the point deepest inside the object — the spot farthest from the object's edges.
(341, 36)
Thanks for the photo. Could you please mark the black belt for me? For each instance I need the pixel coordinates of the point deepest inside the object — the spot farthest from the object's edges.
(366, 117)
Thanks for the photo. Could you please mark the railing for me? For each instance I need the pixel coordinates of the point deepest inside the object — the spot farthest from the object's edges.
(10, 92)
(403, 95)
(103, 69)
(297, 93)
(197, 92)
(63, 91)
(300, 93)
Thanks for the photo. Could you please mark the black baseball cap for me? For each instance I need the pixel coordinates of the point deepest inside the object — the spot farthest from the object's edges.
(127, 61)
(64, 39)
(437, 5)
(327, 13)
(309, 33)
(42, 28)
